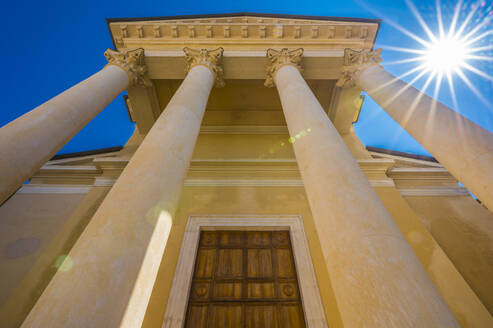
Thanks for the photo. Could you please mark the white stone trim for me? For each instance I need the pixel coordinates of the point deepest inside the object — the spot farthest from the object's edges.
(243, 129)
(31, 188)
(310, 294)
(104, 182)
(243, 183)
(434, 191)
(265, 183)
(382, 183)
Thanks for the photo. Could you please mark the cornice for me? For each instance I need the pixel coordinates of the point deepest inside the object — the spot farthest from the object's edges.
(247, 14)
(251, 29)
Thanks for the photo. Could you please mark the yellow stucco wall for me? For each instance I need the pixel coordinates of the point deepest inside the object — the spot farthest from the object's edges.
(464, 228)
(56, 220)
(461, 299)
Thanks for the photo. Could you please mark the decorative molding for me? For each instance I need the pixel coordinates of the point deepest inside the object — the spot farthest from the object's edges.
(31, 188)
(104, 182)
(243, 129)
(278, 59)
(266, 183)
(208, 58)
(132, 62)
(265, 31)
(356, 62)
(180, 288)
(434, 191)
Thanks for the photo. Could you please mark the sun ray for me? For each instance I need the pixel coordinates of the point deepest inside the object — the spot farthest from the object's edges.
(404, 61)
(450, 83)
(403, 89)
(395, 25)
(474, 89)
(397, 78)
(477, 71)
(477, 57)
(430, 122)
(440, 21)
(477, 38)
(468, 18)
(420, 20)
(409, 50)
(473, 50)
(454, 19)
(416, 101)
(477, 28)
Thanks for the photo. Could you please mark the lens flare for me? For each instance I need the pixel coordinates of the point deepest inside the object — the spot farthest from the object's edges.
(458, 44)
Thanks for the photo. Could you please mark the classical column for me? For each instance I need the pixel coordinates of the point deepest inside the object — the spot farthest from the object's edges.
(377, 279)
(32, 139)
(464, 148)
(115, 261)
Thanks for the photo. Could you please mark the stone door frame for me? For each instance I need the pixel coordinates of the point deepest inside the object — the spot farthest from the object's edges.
(180, 289)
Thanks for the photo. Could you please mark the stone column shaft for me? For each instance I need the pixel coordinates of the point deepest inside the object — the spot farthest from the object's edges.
(463, 147)
(377, 279)
(116, 259)
(32, 139)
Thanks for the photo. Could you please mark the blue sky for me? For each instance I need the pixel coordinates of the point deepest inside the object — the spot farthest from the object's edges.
(48, 46)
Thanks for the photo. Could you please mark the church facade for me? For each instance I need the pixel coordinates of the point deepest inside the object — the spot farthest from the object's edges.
(244, 198)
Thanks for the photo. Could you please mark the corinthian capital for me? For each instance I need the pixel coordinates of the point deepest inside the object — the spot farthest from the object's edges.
(278, 59)
(208, 58)
(356, 62)
(132, 62)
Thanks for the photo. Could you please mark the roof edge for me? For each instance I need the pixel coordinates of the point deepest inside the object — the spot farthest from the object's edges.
(240, 14)
(87, 153)
(401, 154)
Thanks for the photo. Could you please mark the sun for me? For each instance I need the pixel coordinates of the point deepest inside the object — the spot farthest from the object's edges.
(445, 55)
(450, 53)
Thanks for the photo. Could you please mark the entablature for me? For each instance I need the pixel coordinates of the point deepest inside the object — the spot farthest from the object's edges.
(245, 38)
(244, 31)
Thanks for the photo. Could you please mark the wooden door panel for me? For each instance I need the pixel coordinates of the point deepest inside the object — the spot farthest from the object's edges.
(280, 238)
(261, 316)
(231, 238)
(228, 290)
(226, 316)
(258, 238)
(244, 279)
(259, 290)
(285, 265)
(197, 316)
(205, 263)
(291, 316)
(229, 264)
(259, 263)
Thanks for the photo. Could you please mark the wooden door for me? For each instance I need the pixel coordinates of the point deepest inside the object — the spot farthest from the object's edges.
(244, 279)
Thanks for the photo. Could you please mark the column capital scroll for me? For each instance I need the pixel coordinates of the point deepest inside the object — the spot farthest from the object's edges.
(132, 62)
(278, 59)
(208, 58)
(355, 62)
